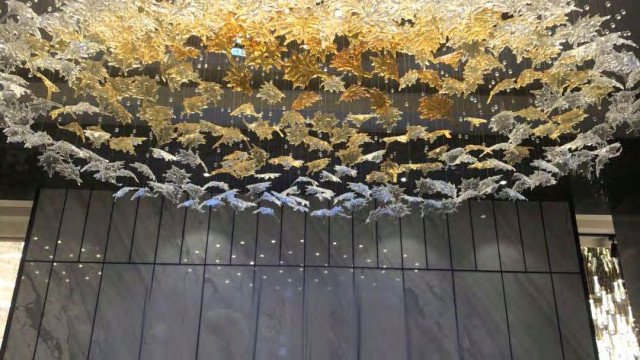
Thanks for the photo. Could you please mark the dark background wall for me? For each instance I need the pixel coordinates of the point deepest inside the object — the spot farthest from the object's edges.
(142, 279)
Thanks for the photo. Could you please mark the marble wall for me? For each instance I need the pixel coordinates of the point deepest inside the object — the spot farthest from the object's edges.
(144, 280)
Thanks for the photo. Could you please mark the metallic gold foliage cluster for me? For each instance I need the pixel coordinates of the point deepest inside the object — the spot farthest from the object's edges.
(121, 60)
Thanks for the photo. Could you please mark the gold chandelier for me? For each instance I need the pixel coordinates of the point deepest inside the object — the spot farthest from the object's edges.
(327, 77)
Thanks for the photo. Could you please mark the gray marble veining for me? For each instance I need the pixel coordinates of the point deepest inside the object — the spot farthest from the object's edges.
(68, 313)
(330, 315)
(118, 322)
(533, 325)
(172, 312)
(72, 225)
(145, 234)
(46, 224)
(482, 322)
(381, 314)
(227, 325)
(97, 228)
(280, 302)
(23, 333)
(430, 314)
(194, 245)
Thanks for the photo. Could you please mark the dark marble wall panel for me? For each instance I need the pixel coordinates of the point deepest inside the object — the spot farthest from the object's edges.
(484, 235)
(194, 244)
(171, 233)
(145, 234)
(461, 238)
(533, 325)
(573, 317)
(381, 314)
(172, 313)
(227, 324)
(23, 332)
(389, 244)
(561, 243)
(72, 225)
(482, 321)
(46, 223)
(123, 219)
(437, 237)
(341, 238)
(279, 332)
(97, 228)
(244, 238)
(413, 240)
(237, 311)
(268, 248)
(533, 240)
(220, 236)
(330, 314)
(430, 314)
(364, 238)
(508, 230)
(292, 241)
(117, 330)
(68, 312)
(317, 236)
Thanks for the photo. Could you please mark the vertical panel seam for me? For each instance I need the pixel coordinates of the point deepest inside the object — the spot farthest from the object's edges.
(95, 311)
(504, 292)
(46, 292)
(555, 302)
(204, 272)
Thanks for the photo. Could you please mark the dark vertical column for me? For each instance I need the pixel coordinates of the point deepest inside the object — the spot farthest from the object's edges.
(268, 248)
(220, 235)
(532, 231)
(413, 240)
(341, 241)
(508, 231)
(27, 313)
(244, 237)
(68, 314)
(170, 236)
(484, 235)
(145, 234)
(437, 239)
(317, 236)
(389, 242)
(292, 241)
(561, 243)
(121, 227)
(72, 225)
(195, 236)
(97, 228)
(117, 330)
(46, 223)
(364, 238)
(461, 237)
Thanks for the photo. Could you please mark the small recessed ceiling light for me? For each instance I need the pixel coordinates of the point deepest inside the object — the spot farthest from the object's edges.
(403, 179)
(503, 182)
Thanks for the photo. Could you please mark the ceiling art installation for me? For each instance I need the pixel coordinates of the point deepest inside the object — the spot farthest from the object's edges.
(259, 105)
